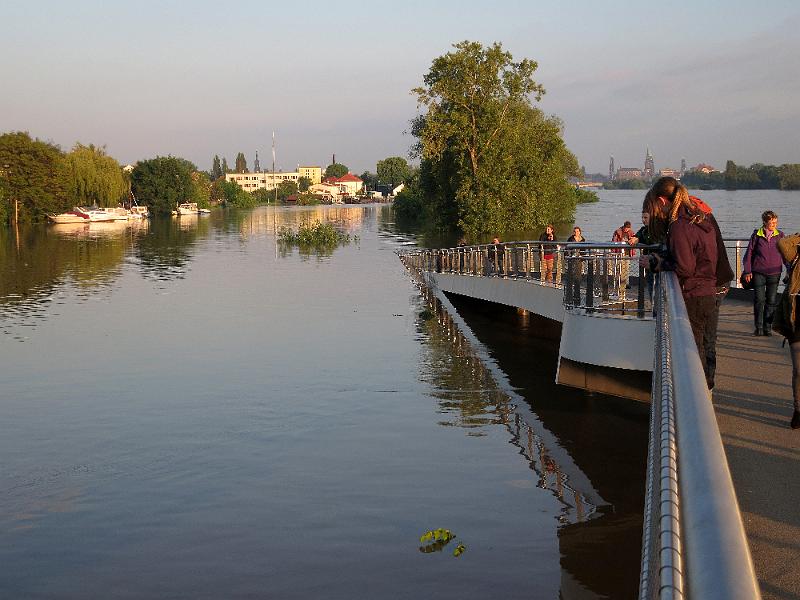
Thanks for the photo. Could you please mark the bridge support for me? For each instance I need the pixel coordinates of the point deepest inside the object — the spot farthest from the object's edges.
(605, 380)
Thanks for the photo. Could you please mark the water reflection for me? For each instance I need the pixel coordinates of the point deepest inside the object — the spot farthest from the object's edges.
(470, 397)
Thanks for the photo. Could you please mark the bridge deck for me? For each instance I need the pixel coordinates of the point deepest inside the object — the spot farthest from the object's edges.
(753, 407)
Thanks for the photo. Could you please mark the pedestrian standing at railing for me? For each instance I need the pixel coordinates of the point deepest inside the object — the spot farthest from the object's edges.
(692, 253)
(548, 253)
(496, 252)
(642, 236)
(577, 235)
(762, 266)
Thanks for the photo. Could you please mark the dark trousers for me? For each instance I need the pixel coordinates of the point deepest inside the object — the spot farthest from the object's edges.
(703, 314)
(766, 299)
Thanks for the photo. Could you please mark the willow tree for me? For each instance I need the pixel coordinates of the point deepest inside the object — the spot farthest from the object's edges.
(490, 160)
(93, 177)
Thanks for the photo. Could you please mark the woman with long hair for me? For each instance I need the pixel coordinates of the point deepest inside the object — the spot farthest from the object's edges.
(695, 251)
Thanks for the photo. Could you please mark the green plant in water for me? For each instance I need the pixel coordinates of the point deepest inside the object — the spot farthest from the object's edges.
(436, 539)
(313, 236)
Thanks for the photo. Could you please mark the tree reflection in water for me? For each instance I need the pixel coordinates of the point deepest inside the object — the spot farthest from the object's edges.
(470, 397)
(588, 450)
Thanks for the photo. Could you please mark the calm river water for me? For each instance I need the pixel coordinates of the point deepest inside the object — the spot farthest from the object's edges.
(187, 410)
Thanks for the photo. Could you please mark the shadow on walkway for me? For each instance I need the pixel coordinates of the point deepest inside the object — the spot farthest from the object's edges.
(753, 403)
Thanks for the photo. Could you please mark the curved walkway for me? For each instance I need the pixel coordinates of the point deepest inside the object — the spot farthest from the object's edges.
(753, 407)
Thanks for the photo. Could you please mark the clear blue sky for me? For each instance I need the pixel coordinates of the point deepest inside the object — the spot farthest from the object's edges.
(698, 79)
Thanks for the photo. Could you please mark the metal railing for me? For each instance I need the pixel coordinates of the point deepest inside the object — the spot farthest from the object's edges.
(693, 543)
(599, 278)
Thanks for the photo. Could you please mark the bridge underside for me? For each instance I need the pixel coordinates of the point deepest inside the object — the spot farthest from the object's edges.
(598, 353)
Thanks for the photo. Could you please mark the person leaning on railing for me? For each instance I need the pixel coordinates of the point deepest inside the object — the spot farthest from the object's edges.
(693, 254)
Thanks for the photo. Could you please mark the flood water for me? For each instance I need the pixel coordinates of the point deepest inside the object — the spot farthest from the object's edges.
(189, 410)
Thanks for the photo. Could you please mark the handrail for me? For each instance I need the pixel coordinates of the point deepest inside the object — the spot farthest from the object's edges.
(694, 544)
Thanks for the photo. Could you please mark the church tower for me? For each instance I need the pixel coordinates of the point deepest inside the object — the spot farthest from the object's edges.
(611, 169)
(649, 166)
(256, 164)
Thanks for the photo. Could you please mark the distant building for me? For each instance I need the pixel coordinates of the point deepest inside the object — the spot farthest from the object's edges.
(256, 164)
(314, 174)
(649, 165)
(669, 173)
(704, 168)
(250, 182)
(128, 168)
(625, 173)
(349, 184)
(683, 166)
(611, 169)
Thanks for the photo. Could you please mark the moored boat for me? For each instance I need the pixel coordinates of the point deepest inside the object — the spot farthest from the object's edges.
(74, 216)
(139, 212)
(186, 208)
(96, 214)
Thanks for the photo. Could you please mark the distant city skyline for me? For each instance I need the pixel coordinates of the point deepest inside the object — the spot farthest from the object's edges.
(711, 84)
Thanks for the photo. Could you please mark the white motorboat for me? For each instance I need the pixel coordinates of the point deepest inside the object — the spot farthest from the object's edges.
(186, 208)
(139, 212)
(97, 214)
(74, 216)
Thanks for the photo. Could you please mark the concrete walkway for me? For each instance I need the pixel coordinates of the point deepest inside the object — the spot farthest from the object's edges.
(753, 404)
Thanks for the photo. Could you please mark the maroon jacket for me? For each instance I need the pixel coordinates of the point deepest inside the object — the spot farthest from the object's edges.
(693, 255)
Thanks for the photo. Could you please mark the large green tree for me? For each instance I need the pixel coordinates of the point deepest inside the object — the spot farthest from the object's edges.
(490, 161)
(336, 170)
(393, 170)
(216, 168)
(93, 177)
(162, 183)
(32, 178)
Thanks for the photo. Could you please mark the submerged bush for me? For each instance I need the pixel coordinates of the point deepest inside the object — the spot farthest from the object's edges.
(310, 236)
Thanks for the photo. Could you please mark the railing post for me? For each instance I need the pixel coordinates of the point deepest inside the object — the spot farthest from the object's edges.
(738, 263)
(590, 287)
(528, 261)
(604, 293)
(640, 293)
(559, 266)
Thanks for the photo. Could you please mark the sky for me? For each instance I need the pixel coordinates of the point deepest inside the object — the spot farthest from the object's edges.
(703, 80)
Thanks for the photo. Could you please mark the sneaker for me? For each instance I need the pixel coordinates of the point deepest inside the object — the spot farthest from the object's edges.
(796, 420)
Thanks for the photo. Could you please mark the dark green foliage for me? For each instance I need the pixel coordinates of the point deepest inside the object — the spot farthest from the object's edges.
(490, 161)
(584, 196)
(225, 168)
(336, 170)
(313, 237)
(370, 180)
(32, 173)
(303, 183)
(409, 206)
(627, 184)
(216, 169)
(286, 189)
(755, 177)
(263, 196)
(234, 196)
(393, 170)
(162, 183)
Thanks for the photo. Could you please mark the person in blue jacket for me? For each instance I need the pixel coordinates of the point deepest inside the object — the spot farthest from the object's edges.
(762, 265)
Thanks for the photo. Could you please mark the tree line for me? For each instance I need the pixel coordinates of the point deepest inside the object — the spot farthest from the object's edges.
(755, 177)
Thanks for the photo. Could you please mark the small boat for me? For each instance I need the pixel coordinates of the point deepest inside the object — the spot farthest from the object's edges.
(74, 216)
(186, 208)
(204, 211)
(139, 212)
